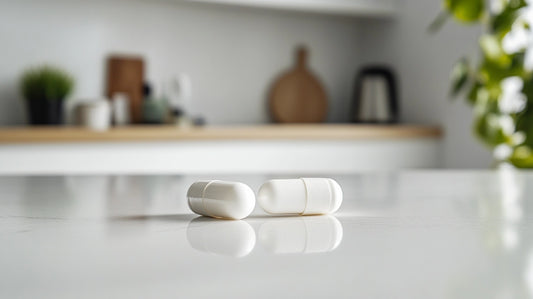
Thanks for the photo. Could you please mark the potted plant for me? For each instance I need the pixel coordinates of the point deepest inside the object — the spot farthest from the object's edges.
(499, 85)
(44, 89)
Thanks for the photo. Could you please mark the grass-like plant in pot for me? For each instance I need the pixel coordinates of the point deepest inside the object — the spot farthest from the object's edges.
(499, 85)
(45, 89)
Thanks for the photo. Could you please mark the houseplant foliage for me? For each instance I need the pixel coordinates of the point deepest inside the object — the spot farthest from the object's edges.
(45, 88)
(499, 85)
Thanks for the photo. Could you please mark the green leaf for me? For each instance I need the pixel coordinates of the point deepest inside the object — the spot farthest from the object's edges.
(492, 71)
(502, 23)
(522, 157)
(466, 11)
(487, 129)
(492, 48)
(459, 76)
(524, 123)
(439, 21)
(527, 89)
(478, 95)
(473, 93)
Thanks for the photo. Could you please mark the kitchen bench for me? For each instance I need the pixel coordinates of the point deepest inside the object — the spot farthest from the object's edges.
(408, 234)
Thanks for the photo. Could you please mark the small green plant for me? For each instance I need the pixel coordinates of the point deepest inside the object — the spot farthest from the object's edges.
(500, 85)
(46, 83)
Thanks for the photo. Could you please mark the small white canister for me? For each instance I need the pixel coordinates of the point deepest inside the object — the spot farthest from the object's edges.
(94, 115)
(121, 109)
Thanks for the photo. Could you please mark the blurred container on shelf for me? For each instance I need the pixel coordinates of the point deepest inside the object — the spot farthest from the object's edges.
(154, 109)
(125, 74)
(94, 115)
(120, 104)
(178, 92)
(180, 119)
(375, 98)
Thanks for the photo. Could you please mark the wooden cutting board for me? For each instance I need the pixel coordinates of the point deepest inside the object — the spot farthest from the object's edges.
(126, 75)
(297, 96)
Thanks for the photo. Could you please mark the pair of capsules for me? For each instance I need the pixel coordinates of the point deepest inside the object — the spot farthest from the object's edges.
(235, 200)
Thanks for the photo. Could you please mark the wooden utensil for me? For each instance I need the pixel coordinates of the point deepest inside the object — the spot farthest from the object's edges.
(126, 75)
(297, 96)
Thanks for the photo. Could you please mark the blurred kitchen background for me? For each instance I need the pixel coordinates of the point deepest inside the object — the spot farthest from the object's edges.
(219, 62)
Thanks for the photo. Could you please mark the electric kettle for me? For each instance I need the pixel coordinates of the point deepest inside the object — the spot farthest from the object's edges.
(375, 98)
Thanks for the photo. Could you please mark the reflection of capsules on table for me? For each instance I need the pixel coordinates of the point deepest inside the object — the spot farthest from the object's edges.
(231, 238)
(312, 234)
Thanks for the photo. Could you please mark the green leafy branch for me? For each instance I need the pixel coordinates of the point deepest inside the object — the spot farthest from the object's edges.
(483, 84)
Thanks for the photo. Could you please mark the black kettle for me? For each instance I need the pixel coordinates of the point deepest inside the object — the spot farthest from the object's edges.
(375, 98)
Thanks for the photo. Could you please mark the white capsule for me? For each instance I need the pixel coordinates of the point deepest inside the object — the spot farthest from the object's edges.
(220, 199)
(305, 196)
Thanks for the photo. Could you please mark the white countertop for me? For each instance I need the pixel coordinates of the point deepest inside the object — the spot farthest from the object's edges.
(425, 234)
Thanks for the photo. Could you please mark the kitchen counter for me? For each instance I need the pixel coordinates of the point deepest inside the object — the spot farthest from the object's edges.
(255, 132)
(415, 234)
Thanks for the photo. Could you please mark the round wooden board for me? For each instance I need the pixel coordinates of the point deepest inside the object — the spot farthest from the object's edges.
(297, 96)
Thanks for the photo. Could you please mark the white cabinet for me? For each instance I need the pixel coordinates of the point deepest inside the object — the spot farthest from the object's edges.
(221, 157)
(277, 149)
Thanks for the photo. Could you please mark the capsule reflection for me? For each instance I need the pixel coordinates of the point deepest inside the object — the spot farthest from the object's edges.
(230, 238)
(312, 234)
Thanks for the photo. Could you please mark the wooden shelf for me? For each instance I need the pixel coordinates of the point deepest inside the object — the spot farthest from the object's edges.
(258, 132)
(367, 8)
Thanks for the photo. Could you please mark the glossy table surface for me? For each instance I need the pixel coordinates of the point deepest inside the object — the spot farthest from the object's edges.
(429, 234)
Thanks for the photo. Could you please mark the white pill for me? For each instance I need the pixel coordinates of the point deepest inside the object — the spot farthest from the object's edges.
(305, 196)
(220, 199)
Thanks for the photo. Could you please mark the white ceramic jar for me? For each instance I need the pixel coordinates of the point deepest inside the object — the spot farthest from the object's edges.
(94, 115)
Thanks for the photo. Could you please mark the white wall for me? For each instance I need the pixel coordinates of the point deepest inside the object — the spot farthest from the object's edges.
(232, 54)
(423, 62)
